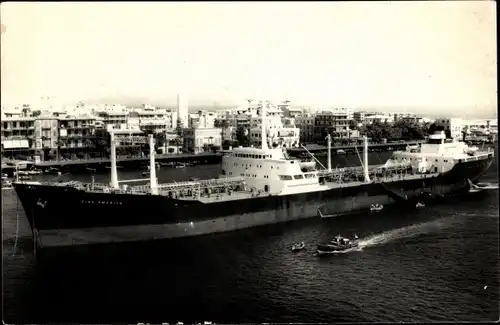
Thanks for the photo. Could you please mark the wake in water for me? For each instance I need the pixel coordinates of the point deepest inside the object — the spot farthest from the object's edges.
(488, 186)
(479, 187)
(405, 232)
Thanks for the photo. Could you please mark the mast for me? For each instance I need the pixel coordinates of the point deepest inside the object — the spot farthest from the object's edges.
(365, 159)
(329, 138)
(263, 125)
(114, 173)
(152, 166)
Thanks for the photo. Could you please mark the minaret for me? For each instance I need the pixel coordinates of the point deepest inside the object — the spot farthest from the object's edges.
(152, 166)
(182, 100)
(182, 109)
(114, 173)
(263, 125)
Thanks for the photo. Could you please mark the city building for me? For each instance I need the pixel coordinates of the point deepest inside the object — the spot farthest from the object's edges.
(76, 135)
(202, 119)
(402, 115)
(381, 118)
(115, 118)
(198, 140)
(305, 123)
(332, 121)
(453, 126)
(17, 135)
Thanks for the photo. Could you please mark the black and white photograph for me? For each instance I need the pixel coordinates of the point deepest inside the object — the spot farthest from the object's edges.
(249, 162)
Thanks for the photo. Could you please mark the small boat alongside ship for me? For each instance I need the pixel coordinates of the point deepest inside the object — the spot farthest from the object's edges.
(338, 245)
(298, 247)
(7, 185)
(376, 207)
(52, 170)
(117, 167)
(420, 205)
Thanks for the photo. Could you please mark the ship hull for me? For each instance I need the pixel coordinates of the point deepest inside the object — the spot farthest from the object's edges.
(67, 216)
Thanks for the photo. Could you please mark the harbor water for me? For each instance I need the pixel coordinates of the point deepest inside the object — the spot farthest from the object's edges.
(438, 263)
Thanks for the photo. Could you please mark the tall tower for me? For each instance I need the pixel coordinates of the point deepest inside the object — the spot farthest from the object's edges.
(182, 109)
(182, 99)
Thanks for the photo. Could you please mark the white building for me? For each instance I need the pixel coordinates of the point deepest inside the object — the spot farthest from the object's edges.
(201, 139)
(455, 126)
(202, 119)
(277, 133)
(382, 118)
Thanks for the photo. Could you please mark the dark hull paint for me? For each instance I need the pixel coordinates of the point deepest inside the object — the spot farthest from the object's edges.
(329, 248)
(52, 207)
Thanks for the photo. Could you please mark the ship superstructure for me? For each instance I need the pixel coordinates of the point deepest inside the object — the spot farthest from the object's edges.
(257, 186)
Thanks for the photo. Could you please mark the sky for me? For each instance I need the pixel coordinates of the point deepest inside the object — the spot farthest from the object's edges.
(426, 57)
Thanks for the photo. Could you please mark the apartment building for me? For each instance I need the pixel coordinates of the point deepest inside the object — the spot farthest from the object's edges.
(380, 118)
(453, 126)
(199, 139)
(202, 119)
(332, 121)
(278, 134)
(305, 123)
(76, 132)
(17, 135)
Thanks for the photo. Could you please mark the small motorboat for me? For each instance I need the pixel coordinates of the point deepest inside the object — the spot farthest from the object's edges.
(91, 169)
(24, 177)
(420, 205)
(35, 171)
(481, 186)
(145, 174)
(52, 170)
(298, 247)
(338, 245)
(7, 185)
(117, 167)
(486, 186)
(376, 207)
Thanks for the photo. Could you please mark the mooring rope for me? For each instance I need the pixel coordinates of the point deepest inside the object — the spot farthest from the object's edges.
(58, 176)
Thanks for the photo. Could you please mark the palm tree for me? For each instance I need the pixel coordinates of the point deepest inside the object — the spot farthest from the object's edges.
(177, 143)
(59, 143)
(87, 144)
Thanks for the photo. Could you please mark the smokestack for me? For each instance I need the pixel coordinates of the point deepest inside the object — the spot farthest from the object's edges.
(152, 166)
(263, 125)
(365, 159)
(114, 174)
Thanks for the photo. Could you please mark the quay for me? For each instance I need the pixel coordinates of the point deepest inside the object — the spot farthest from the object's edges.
(101, 163)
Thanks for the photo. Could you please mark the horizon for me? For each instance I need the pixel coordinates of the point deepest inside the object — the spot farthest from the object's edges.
(427, 58)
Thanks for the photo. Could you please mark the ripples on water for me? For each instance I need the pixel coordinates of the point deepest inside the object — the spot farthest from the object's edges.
(430, 264)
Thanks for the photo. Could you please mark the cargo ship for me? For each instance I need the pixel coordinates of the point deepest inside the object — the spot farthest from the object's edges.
(256, 186)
